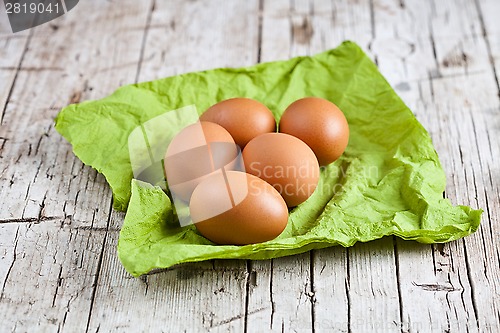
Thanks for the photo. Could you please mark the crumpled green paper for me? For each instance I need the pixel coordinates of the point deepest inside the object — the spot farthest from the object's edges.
(388, 182)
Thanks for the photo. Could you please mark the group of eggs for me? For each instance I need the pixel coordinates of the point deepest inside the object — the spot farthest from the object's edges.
(240, 176)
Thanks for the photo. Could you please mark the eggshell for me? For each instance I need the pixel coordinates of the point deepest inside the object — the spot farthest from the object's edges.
(285, 162)
(319, 123)
(237, 208)
(243, 118)
(196, 152)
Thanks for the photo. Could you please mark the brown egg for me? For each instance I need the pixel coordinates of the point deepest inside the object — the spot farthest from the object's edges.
(320, 124)
(243, 118)
(196, 152)
(285, 162)
(237, 208)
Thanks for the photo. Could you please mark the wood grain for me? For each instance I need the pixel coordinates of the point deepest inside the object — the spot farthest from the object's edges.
(58, 265)
(208, 296)
(436, 292)
(47, 276)
(55, 211)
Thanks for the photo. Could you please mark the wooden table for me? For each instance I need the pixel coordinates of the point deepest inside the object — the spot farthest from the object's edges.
(59, 271)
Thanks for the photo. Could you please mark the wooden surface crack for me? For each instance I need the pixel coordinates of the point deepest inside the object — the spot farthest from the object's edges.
(271, 297)
(14, 256)
(491, 57)
(398, 279)
(248, 282)
(144, 38)
(17, 69)
(311, 291)
(441, 57)
(98, 270)
(471, 283)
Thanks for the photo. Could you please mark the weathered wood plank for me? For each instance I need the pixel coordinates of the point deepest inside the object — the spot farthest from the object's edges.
(419, 47)
(41, 175)
(280, 293)
(331, 284)
(445, 287)
(198, 35)
(12, 49)
(358, 310)
(431, 297)
(467, 104)
(357, 21)
(208, 296)
(4, 24)
(435, 290)
(491, 31)
(11, 45)
(365, 262)
(58, 208)
(311, 27)
(282, 287)
(46, 276)
(374, 304)
(469, 112)
(487, 10)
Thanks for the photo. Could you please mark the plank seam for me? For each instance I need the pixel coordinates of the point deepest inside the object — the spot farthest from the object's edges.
(273, 305)
(398, 282)
(311, 296)
(98, 270)
(471, 282)
(348, 290)
(247, 295)
(16, 238)
(259, 32)
(488, 46)
(9, 95)
(31, 219)
(144, 39)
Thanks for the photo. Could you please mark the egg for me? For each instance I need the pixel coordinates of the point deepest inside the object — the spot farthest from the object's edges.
(196, 152)
(243, 118)
(237, 208)
(320, 124)
(286, 163)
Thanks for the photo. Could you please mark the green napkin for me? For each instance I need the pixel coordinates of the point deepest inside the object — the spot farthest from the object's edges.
(388, 182)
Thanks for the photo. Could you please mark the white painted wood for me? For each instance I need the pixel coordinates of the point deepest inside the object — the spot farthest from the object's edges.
(283, 288)
(435, 291)
(261, 306)
(331, 285)
(312, 27)
(349, 306)
(4, 24)
(58, 208)
(467, 110)
(373, 294)
(58, 265)
(208, 296)
(337, 21)
(491, 29)
(47, 275)
(187, 36)
(280, 293)
(12, 49)
(42, 174)
(465, 117)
